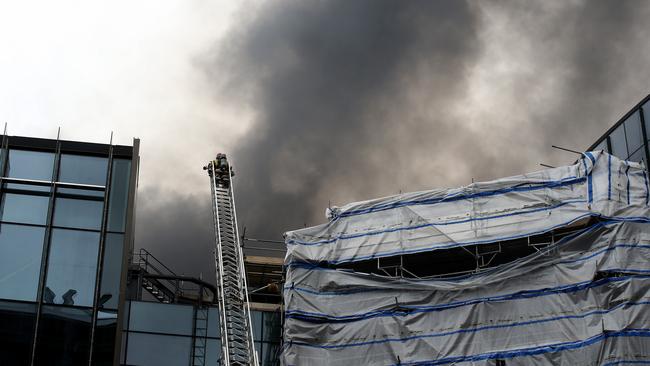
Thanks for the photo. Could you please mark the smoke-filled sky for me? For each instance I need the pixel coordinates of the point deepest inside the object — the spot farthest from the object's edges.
(317, 103)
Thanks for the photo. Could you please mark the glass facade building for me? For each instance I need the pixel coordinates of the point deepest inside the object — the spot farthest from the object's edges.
(628, 138)
(159, 334)
(72, 289)
(66, 226)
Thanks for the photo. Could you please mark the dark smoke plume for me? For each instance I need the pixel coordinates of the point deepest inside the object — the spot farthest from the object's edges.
(359, 99)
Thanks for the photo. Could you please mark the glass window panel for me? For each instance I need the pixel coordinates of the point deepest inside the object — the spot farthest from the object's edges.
(258, 349)
(21, 249)
(80, 193)
(619, 146)
(158, 350)
(63, 337)
(119, 194)
(638, 155)
(269, 357)
(24, 208)
(16, 332)
(111, 271)
(272, 327)
(256, 318)
(104, 342)
(83, 169)
(213, 323)
(74, 213)
(212, 352)
(27, 188)
(161, 318)
(72, 267)
(633, 132)
(26, 164)
(602, 146)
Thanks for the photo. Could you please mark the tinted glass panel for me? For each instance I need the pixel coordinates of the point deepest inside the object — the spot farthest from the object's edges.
(80, 193)
(633, 132)
(27, 188)
(256, 318)
(272, 331)
(111, 271)
(270, 353)
(158, 350)
(16, 332)
(63, 337)
(119, 194)
(104, 342)
(212, 352)
(619, 146)
(75, 213)
(161, 318)
(30, 164)
(83, 169)
(213, 323)
(21, 249)
(602, 146)
(638, 155)
(72, 268)
(24, 208)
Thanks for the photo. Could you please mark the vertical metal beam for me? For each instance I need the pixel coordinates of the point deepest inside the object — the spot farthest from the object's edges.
(46, 245)
(127, 247)
(645, 137)
(100, 252)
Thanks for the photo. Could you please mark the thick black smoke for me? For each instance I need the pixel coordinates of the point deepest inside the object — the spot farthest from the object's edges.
(358, 99)
(330, 83)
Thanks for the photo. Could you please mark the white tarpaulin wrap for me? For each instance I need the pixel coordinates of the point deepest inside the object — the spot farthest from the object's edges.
(582, 301)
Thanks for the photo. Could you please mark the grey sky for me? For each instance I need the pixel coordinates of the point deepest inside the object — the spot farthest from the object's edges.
(318, 102)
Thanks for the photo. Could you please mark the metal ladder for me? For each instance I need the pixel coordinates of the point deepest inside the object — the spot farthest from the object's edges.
(200, 335)
(235, 321)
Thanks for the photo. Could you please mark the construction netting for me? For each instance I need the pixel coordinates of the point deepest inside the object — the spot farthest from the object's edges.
(583, 300)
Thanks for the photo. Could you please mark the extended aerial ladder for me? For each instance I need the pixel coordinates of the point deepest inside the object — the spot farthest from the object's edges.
(237, 346)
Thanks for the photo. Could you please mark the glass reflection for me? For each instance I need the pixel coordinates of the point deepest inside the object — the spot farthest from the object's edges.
(72, 267)
(633, 132)
(272, 327)
(21, 249)
(111, 271)
(26, 164)
(119, 194)
(161, 318)
(602, 146)
(75, 213)
(637, 156)
(212, 352)
(213, 323)
(104, 342)
(63, 337)
(619, 146)
(256, 318)
(16, 332)
(83, 169)
(158, 350)
(24, 208)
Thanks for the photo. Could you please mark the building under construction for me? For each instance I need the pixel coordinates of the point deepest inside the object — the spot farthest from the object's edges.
(549, 267)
